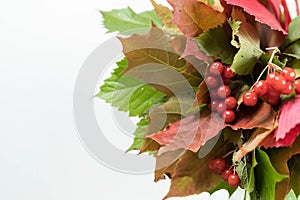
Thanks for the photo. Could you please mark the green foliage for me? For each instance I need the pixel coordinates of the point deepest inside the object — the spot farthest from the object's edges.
(216, 42)
(128, 93)
(294, 167)
(139, 135)
(266, 176)
(127, 22)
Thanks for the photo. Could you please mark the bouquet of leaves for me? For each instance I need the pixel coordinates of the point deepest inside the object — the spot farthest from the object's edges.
(214, 83)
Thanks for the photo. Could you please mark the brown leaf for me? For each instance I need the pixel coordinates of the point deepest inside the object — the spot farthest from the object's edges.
(202, 95)
(192, 175)
(189, 15)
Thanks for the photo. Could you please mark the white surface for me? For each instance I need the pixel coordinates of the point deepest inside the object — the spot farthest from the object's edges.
(43, 45)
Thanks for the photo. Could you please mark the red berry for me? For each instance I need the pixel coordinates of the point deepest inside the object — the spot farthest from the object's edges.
(213, 95)
(217, 165)
(228, 73)
(213, 105)
(279, 83)
(229, 116)
(250, 98)
(288, 73)
(224, 91)
(273, 100)
(226, 173)
(272, 91)
(216, 68)
(226, 81)
(221, 107)
(230, 102)
(270, 78)
(288, 90)
(297, 86)
(261, 88)
(211, 82)
(234, 180)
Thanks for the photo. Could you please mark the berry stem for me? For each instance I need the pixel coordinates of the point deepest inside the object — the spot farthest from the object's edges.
(227, 154)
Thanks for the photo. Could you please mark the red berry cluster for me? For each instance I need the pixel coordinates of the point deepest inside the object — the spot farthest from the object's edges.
(221, 101)
(271, 88)
(219, 166)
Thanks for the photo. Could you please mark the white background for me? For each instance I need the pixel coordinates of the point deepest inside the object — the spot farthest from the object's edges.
(43, 44)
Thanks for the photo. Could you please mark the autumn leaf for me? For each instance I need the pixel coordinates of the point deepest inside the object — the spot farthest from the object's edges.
(261, 13)
(153, 47)
(288, 125)
(192, 175)
(294, 168)
(189, 15)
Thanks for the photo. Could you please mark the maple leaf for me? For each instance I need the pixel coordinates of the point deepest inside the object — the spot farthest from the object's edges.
(153, 47)
(279, 158)
(189, 15)
(192, 176)
(249, 52)
(288, 125)
(261, 13)
(294, 168)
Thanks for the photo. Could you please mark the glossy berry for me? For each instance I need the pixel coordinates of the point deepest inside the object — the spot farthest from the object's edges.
(224, 91)
(288, 90)
(297, 86)
(213, 105)
(229, 116)
(228, 73)
(234, 180)
(226, 173)
(221, 107)
(230, 102)
(211, 82)
(273, 100)
(272, 91)
(261, 88)
(216, 68)
(213, 94)
(288, 73)
(226, 81)
(250, 98)
(217, 165)
(270, 78)
(279, 83)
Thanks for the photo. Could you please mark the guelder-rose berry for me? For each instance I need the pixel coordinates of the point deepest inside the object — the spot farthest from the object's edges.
(234, 180)
(297, 86)
(288, 90)
(217, 165)
(250, 98)
(211, 82)
(270, 78)
(230, 102)
(279, 83)
(261, 88)
(213, 105)
(224, 91)
(216, 68)
(226, 173)
(221, 107)
(288, 73)
(273, 100)
(228, 73)
(229, 116)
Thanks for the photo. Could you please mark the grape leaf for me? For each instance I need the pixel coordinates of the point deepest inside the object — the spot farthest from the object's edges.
(189, 15)
(249, 52)
(294, 168)
(216, 43)
(192, 175)
(128, 93)
(139, 135)
(266, 176)
(126, 21)
(279, 158)
(166, 15)
(153, 47)
(261, 13)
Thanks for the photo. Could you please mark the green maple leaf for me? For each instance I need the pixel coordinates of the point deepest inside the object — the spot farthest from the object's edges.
(266, 176)
(139, 134)
(249, 51)
(216, 42)
(294, 34)
(126, 21)
(128, 93)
